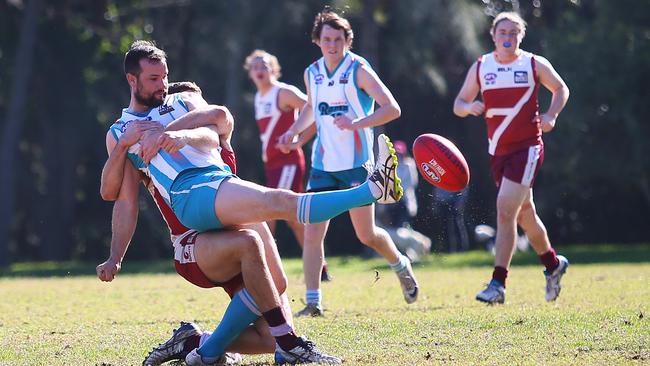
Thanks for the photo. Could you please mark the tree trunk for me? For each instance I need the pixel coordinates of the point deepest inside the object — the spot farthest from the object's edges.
(14, 119)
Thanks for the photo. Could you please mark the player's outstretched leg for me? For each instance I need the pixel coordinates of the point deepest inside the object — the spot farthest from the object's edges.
(183, 339)
(553, 278)
(304, 352)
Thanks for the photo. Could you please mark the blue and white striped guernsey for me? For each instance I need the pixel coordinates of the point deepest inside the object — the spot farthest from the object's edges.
(165, 167)
(337, 94)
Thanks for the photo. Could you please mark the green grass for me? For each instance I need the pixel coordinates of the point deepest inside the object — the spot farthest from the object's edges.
(602, 316)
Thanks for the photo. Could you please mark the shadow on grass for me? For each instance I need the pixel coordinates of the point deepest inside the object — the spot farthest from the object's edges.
(577, 254)
(73, 269)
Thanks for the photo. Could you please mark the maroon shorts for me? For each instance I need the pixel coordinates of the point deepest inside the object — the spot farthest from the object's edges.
(185, 263)
(520, 166)
(288, 176)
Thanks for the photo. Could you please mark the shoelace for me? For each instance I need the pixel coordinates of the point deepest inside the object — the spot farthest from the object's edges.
(388, 173)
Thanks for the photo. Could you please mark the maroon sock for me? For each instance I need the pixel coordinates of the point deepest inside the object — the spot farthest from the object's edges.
(191, 343)
(324, 268)
(283, 333)
(500, 275)
(549, 260)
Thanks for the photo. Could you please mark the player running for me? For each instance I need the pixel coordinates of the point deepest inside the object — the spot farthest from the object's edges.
(342, 88)
(509, 79)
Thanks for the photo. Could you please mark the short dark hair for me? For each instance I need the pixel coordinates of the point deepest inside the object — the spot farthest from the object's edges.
(141, 50)
(183, 86)
(329, 17)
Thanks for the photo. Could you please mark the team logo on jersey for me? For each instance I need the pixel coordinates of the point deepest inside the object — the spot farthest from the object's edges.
(521, 77)
(336, 110)
(490, 78)
(344, 78)
(164, 109)
(319, 79)
(331, 83)
(267, 108)
(124, 125)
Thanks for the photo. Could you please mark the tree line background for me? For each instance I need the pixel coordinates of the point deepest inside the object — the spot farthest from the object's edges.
(62, 85)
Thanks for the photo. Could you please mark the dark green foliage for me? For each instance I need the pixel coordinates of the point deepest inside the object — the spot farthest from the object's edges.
(594, 186)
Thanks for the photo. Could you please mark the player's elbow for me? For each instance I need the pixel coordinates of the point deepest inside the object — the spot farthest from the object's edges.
(222, 118)
(566, 91)
(458, 109)
(397, 110)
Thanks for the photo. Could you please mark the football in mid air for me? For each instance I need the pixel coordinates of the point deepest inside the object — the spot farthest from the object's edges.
(440, 162)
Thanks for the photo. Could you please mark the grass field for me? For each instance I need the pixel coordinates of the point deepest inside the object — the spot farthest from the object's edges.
(60, 314)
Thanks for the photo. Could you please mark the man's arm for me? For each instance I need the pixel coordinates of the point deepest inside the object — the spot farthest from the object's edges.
(202, 138)
(560, 91)
(124, 219)
(112, 173)
(465, 103)
(292, 99)
(388, 111)
(286, 142)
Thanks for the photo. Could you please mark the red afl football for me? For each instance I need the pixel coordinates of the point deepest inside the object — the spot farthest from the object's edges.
(440, 162)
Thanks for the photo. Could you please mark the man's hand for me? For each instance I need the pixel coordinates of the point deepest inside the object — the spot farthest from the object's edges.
(286, 142)
(172, 141)
(344, 122)
(476, 108)
(135, 130)
(108, 270)
(149, 144)
(547, 122)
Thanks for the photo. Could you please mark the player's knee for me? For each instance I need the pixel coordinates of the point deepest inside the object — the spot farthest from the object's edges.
(252, 243)
(506, 213)
(369, 238)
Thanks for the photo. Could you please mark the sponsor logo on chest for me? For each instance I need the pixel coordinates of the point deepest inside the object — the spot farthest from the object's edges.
(164, 109)
(332, 110)
(521, 77)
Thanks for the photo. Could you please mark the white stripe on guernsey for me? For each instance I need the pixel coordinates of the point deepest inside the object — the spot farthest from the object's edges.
(214, 185)
(510, 114)
(286, 177)
(247, 299)
(531, 164)
(266, 136)
(164, 167)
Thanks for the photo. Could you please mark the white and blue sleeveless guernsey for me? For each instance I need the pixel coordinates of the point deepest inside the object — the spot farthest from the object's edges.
(337, 94)
(164, 168)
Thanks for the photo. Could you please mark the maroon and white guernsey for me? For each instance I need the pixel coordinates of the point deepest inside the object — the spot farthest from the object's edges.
(272, 123)
(509, 93)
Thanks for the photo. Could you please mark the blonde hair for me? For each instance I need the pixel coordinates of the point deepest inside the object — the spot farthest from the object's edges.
(268, 58)
(511, 16)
